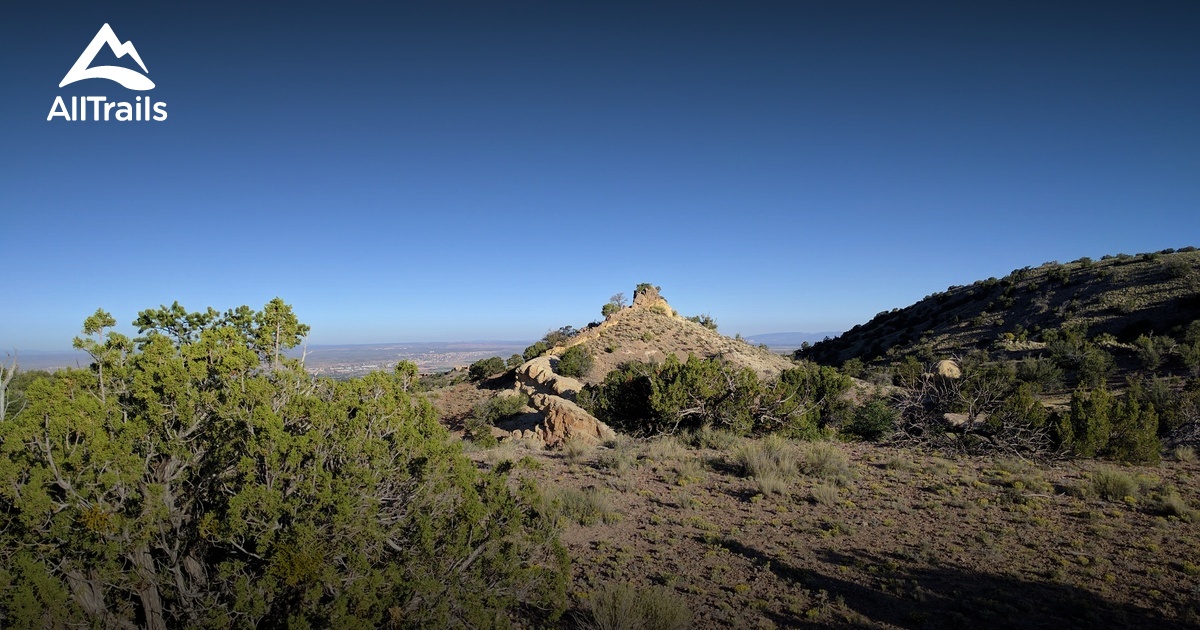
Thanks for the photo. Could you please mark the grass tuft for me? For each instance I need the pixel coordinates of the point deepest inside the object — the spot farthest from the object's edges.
(589, 506)
(1114, 485)
(620, 606)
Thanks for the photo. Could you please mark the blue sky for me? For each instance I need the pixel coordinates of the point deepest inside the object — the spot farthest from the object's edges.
(482, 170)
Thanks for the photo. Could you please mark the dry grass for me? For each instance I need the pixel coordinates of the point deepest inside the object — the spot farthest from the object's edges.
(589, 506)
(825, 460)
(1114, 485)
(772, 462)
(619, 606)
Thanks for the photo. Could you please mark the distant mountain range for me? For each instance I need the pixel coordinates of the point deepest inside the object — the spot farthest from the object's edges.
(790, 340)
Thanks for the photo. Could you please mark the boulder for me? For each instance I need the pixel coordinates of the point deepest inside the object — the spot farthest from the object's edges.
(564, 420)
(948, 368)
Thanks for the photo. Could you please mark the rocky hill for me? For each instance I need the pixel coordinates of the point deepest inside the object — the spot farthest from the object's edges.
(1124, 296)
(650, 329)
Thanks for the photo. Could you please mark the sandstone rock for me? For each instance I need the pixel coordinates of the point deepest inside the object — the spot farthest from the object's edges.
(649, 298)
(537, 376)
(948, 368)
(564, 420)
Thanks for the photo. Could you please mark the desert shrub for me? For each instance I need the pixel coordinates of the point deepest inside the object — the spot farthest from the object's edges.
(907, 373)
(1059, 273)
(1114, 485)
(1021, 422)
(515, 361)
(479, 431)
(1089, 425)
(873, 421)
(1070, 349)
(900, 462)
(664, 449)
(215, 483)
(557, 337)
(490, 412)
(575, 362)
(1152, 350)
(1178, 267)
(501, 407)
(608, 309)
(484, 368)
(1041, 371)
(536, 350)
(704, 320)
(621, 606)
(1185, 454)
(686, 470)
(853, 368)
(674, 396)
(1169, 503)
(1135, 432)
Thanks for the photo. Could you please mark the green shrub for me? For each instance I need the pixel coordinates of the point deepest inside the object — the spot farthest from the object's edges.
(515, 361)
(1090, 425)
(1152, 350)
(284, 499)
(704, 320)
(651, 398)
(575, 362)
(1041, 371)
(479, 431)
(493, 410)
(484, 368)
(873, 421)
(536, 350)
(853, 368)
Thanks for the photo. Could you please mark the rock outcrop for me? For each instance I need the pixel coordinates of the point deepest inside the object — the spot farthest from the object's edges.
(555, 418)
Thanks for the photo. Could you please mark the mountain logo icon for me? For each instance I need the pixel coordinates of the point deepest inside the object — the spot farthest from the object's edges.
(129, 78)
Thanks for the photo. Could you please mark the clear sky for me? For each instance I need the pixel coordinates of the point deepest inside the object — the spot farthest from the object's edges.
(406, 171)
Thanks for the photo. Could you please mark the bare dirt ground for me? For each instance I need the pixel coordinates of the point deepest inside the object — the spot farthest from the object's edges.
(894, 539)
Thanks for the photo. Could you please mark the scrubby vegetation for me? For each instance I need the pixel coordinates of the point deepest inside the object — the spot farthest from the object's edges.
(194, 476)
(1096, 307)
(484, 368)
(574, 362)
(674, 396)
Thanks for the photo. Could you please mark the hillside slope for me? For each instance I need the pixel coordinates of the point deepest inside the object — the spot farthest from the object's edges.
(1124, 296)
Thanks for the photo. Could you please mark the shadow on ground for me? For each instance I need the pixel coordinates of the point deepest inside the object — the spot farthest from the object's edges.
(950, 596)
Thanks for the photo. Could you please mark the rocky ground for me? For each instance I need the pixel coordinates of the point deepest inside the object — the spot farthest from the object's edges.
(861, 535)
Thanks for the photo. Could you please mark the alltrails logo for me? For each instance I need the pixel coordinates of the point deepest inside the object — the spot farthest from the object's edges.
(142, 108)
